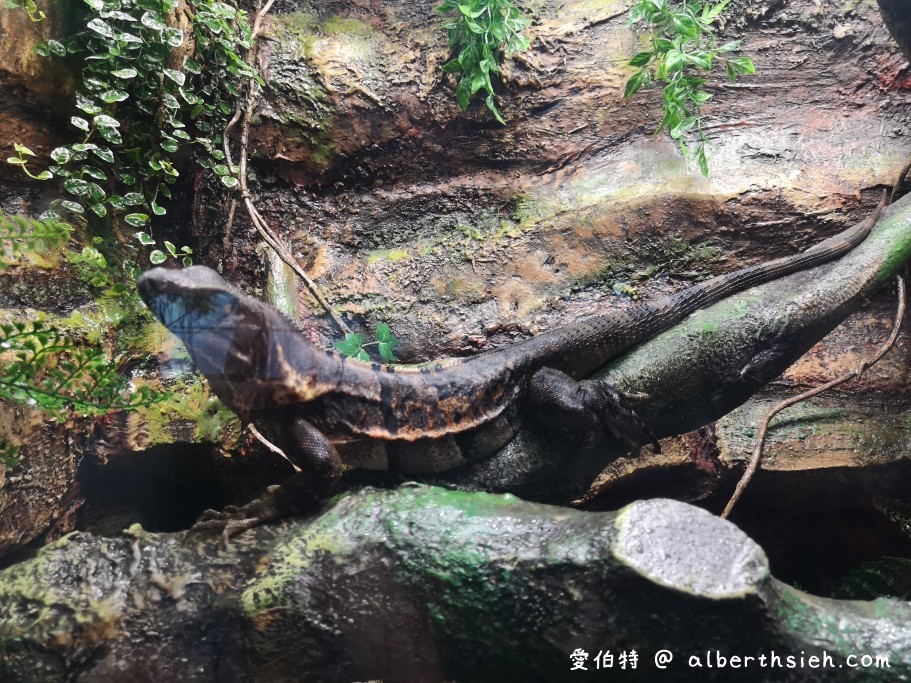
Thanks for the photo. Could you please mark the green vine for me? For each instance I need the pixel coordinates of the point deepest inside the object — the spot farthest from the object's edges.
(29, 6)
(682, 42)
(482, 31)
(140, 102)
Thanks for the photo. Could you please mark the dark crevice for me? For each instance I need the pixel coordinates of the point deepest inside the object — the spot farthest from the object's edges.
(166, 488)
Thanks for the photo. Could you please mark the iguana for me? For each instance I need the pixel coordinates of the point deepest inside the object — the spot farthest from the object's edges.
(324, 409)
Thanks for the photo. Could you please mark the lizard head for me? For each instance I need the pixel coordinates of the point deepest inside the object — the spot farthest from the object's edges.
(240, 344)
(198, 306)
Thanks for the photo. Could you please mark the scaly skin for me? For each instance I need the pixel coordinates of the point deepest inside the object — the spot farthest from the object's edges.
(323, 408)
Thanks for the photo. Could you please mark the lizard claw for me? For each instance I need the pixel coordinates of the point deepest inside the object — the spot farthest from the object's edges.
(272, 505)
(613, 408)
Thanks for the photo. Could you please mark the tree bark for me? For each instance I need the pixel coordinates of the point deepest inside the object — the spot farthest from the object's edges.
(425, 584)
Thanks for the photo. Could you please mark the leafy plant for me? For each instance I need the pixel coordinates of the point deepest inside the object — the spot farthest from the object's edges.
(9, 454)
(34, 13)
(682, 39)
(354, 345)
(170, 250)
(91, 266)
(21, 160)
(138, 107)
(482, 31)
(46, 368)
(886, 576)
(19, 235)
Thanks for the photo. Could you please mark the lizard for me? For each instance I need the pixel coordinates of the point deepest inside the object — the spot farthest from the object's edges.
(325, 410)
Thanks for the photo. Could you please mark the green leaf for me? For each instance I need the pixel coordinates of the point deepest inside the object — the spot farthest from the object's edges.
(133, 199)
(56, 48)
(157, 210)
(137, 220)
(173, 37)
(478, 81)
(730, 47)
(463, 93)
(492, 106)
(702, 161)
(635, 83)
(105, 121)
(76, 187)
(384, 334)
(684, 126)
(175, 76)
(99, 209)
(154, 21)
(452, 66)
(157, 257)
(352, 346)
(112, 96)
(87, 105)
(742, 65)
(701, 59)
(80, 123)
(96, 173)
(716, 10)
(144, 238)
(641, 59)
(101, 27)
(104, 154)
(127, 37)
(518, 44)
(61, 155)
(229, 181)
(112, 135)
(685, 25)
(96, 193)
(732, 75)
(22, 149)
(386, 342)
(675, 60)
(75, 207)
(16, 161)
(125, 73)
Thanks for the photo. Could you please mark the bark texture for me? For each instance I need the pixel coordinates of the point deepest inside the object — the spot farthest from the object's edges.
(425, 584)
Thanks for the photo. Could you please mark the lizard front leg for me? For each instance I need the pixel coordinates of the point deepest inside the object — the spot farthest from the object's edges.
(302, 492)
(562, 402)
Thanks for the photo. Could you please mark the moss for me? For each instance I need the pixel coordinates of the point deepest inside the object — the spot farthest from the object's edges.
(393, 255)
(65, 614)
(292, 557)
(336, 25)
(900, 252)
(308, 110)
(191, 402)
